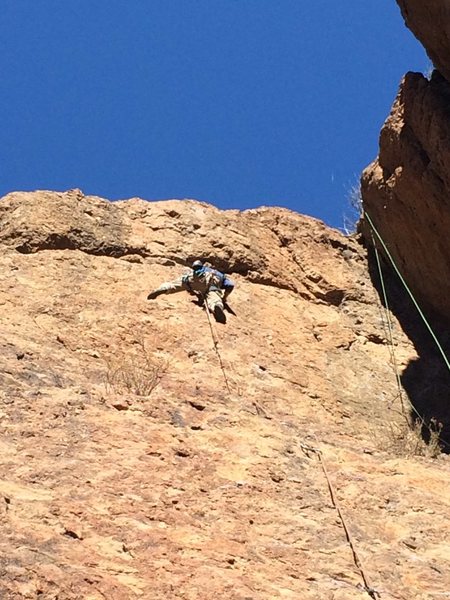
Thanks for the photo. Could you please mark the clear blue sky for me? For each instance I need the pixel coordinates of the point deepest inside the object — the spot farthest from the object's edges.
(235, 102)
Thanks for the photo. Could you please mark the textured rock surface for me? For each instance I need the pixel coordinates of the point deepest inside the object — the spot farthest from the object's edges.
(430, 22)
(109, 489)
(406, 191)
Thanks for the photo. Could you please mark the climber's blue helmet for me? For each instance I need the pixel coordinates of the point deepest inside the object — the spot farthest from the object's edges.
(198, 268)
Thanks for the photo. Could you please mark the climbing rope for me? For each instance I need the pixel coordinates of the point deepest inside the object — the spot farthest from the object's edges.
(356, 558)
(390, 328)
(215, 340)
(260, 410)
(441, 350)
(419, 310)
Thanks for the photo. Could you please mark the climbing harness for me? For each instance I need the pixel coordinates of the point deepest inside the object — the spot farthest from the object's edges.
(371, 591)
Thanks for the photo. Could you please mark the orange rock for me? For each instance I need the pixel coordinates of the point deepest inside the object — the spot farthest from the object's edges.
(193, 492)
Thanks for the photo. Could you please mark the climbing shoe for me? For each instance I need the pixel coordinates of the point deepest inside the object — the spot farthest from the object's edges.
(219, 315)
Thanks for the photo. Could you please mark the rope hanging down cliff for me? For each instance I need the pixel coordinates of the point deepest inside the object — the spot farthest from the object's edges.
(428, 326)
(371, 591)
(216, 346)
(419, 310)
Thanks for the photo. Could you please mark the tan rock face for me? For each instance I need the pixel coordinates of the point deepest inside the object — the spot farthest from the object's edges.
(130, 472)
(430, 22)
(405, 193)
(406, 190)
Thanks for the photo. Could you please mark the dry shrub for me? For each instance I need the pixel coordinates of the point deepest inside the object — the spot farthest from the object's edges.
(137, 367)
(407, 439)
(355, 209)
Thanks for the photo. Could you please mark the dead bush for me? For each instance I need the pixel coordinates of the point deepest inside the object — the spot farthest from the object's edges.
(137, 371)
(406, 439)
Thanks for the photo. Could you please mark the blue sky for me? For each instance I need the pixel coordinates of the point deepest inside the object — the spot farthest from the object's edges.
(239, 103)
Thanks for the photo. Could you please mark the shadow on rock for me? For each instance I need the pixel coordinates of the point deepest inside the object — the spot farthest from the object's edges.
(426, 379)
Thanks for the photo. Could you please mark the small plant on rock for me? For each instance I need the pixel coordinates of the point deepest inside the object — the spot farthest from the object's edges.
(407, 439)
(138, 371)
(355, 209)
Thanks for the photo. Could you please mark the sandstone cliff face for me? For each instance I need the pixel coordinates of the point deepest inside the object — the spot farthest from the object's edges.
(130, 471)
(430, 22)
(406, 191)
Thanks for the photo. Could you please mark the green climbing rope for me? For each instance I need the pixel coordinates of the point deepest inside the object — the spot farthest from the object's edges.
(390, 328)
(419, 310)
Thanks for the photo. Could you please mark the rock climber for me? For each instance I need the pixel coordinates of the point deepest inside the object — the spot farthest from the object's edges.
(212, 286)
